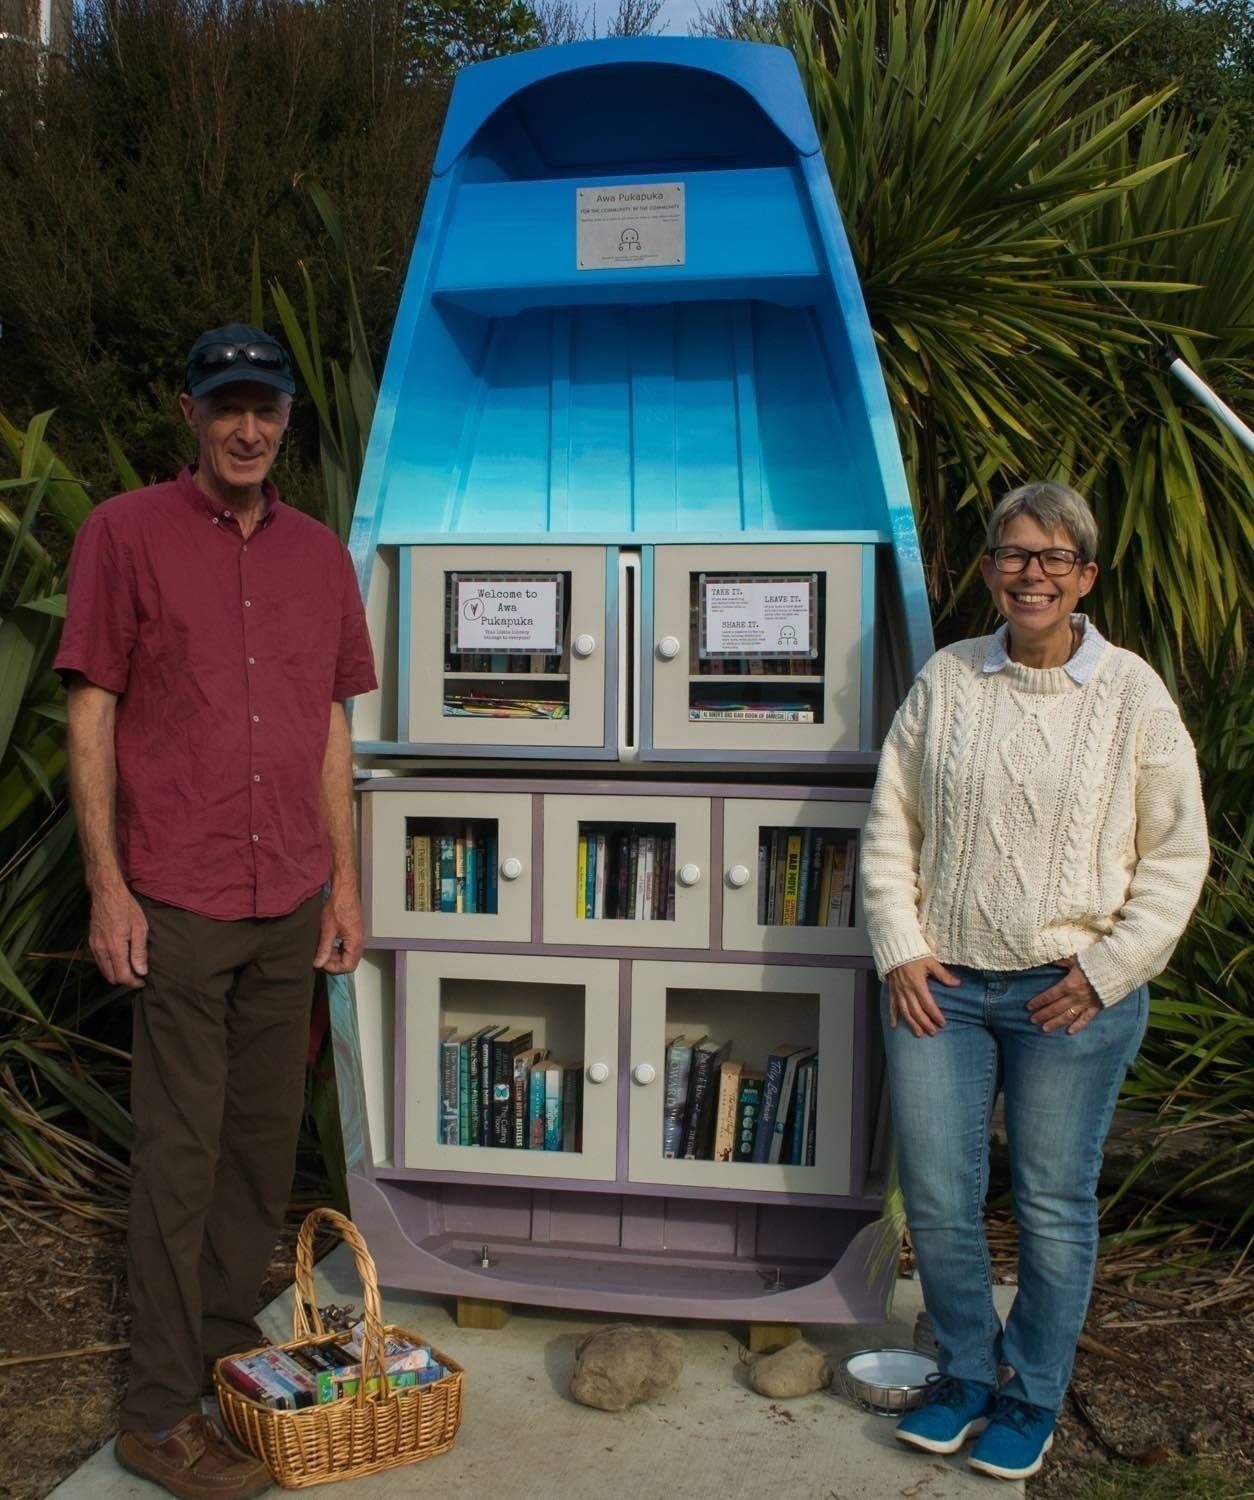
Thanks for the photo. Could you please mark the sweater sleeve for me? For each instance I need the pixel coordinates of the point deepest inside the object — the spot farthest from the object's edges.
(1172, 858)
(893, 839)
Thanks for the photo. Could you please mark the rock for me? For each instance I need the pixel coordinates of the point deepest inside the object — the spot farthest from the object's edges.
(621, 1365)
(795, 1370)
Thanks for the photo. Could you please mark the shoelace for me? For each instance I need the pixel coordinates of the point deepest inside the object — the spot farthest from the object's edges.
(1021, 1415)
(945, 1390)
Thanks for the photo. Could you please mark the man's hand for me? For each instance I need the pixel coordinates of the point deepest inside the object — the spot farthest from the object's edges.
(909, 998)
(343, 935)
(1072, 1002)
(118, 936)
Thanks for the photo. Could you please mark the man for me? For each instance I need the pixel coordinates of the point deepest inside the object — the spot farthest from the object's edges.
(211, 638)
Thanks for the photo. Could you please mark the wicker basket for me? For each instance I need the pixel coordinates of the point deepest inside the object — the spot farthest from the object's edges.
(359, 1434)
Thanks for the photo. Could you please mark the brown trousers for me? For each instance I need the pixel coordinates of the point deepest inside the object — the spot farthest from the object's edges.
(219, 1038)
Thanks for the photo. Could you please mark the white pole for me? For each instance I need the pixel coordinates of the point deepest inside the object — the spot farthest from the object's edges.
(1208, 398)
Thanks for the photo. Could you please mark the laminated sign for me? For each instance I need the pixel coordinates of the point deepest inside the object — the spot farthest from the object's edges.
(503, 613)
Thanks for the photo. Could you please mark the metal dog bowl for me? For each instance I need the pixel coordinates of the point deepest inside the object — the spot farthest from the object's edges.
(886, 1381)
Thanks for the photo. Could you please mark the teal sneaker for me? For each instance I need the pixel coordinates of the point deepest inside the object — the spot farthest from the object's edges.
(1016, 1440)
(951, 1410)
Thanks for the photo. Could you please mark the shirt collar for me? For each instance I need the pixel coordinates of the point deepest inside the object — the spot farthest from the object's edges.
(1079, 668)
(193, 492)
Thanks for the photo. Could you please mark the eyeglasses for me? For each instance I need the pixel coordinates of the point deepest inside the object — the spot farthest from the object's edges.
(1056, 562)
(215, 357)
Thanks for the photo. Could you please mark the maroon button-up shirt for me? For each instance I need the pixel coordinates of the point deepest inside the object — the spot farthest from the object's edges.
(226, 655)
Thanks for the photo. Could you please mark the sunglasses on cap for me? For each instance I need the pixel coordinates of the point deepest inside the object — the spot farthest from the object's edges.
(214, 358)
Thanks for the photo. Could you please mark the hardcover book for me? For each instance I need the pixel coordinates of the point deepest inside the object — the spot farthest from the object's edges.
(506, 1045)
(675, 1091)
(698, 1136)
(772, 1080)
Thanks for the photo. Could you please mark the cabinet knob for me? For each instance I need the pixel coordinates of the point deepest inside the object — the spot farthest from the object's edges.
(511, 868)
(584, 645)
(668, 647)
(598, 1072)
(644, 1073)
(738, 875)
(688, 874)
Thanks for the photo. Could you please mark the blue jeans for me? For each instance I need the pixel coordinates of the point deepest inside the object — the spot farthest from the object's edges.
(1060, 1094)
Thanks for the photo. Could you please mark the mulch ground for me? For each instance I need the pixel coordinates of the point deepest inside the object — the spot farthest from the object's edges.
(1166, 1368)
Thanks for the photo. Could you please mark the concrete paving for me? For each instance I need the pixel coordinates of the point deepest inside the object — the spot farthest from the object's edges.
(707, 1438)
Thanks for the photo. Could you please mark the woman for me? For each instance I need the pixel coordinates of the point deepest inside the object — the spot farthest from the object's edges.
(1035, 845)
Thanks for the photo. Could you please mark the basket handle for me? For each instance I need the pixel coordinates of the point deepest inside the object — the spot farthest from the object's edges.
(306, 1319)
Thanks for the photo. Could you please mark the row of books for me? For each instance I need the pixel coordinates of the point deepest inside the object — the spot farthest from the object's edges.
(625, 873)
(755, 666)
(453, 871)
(502, 663)
(498, 1089)
(714, 1108)
(719, 711)
(806, 877)
(318, 1373)
(475, 705)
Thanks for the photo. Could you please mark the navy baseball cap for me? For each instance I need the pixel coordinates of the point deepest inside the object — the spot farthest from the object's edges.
(237, 353)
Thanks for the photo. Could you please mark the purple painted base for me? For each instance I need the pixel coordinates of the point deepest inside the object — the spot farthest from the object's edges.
(677, 1258)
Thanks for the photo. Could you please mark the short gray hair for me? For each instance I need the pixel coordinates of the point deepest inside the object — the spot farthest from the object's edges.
(1054, 507)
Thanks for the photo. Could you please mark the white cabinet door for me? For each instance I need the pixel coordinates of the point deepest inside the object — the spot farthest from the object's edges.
(624, 871)
(790, 875)
(507, 649)
(568, 1005)
(762, 648)
(750, 1010)
(404, 830)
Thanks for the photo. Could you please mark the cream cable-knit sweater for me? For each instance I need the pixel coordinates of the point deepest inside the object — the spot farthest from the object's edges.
(1020, 816)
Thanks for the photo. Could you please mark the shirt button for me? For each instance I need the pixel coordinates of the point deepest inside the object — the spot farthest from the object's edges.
(215, 520)
(256, 718)
(256, 778)
(226, 513)
(248, 603)
(252, 661)
(256, 838)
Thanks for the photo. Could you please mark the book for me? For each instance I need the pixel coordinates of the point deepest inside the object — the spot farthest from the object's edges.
(535, 1109)
(505, 1045)
(572, 1107)
(459, 873)
(772, 1079)
(697, 1140)
(747, 714)
(675, 1091)
(472, 876)
(803, 878)
(792, 879)
(836, 888)
(725, 1109)
(450, 1085)
(764, 865)
(420, 845)
(465, 1134)
(634, 875)
(823, 903)
(783, 1105)
(489, 874)
(811, 1109)
(481, 1084)
(601, 843)
(448, 873)
(846, 891)
(581, 876)
(648, 850)
(779, 858)
(520, 1111)
(552, 1073)
(748, 1104)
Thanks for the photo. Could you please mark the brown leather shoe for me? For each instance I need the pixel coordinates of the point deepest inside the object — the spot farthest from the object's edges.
(194, 1460)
